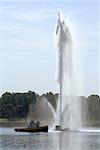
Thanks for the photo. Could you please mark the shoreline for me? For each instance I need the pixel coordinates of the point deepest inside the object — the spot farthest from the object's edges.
(17, 122)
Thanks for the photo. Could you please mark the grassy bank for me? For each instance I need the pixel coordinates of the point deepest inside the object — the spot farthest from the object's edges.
(13, 122)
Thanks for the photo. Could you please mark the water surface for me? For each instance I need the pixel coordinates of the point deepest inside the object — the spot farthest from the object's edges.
(11, 140)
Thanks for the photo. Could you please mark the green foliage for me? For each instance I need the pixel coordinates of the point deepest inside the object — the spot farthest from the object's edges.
(16, 104)
(52, 98)
(93, 103)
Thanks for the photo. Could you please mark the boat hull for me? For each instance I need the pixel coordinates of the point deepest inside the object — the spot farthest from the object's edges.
(38, 129)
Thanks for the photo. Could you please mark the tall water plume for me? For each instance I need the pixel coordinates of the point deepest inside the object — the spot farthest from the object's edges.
(68, 110)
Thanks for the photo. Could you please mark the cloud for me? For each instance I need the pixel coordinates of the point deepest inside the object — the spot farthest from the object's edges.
(26, 13)
(24, 28)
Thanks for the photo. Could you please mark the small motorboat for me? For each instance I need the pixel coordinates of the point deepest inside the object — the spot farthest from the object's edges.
(34, 126)
(35, 129)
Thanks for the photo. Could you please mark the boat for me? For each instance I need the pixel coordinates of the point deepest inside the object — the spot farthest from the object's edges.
(32, 130)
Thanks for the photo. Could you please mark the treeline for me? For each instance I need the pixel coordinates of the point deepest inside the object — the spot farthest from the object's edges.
(52, 98)
(90, 108)
(16, 105)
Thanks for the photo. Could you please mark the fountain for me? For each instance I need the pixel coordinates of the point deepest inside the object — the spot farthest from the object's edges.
(42, 111)
(68, 114)
(68, 111)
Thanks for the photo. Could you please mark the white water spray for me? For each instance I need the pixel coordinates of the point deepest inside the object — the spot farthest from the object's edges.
(68, 110)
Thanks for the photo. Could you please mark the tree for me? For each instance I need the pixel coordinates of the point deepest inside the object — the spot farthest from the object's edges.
(93, 102)
(52, 99)
(16, 104)
(7, 98)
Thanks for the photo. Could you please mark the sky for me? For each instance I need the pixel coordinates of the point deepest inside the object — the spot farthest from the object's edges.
(27, 50)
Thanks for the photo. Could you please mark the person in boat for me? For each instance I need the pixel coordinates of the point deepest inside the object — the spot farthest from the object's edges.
(37, 123)
(34, 124)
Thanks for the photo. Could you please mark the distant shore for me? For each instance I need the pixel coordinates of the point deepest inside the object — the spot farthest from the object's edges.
(17, 109)
(13, 123)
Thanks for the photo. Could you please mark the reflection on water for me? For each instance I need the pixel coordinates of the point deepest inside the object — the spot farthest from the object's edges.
(11, 140)
(79, 141)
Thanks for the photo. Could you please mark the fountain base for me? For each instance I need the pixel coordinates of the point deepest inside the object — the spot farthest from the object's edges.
(58, 128)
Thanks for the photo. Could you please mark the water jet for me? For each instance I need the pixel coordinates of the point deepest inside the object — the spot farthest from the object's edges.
(68, 109)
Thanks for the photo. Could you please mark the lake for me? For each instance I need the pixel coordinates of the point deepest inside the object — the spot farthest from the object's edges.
(53, 140)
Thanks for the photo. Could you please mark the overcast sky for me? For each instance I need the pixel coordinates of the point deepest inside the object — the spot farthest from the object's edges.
(27, 51)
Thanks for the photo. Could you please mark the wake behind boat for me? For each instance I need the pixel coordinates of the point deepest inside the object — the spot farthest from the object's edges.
(34, 126)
